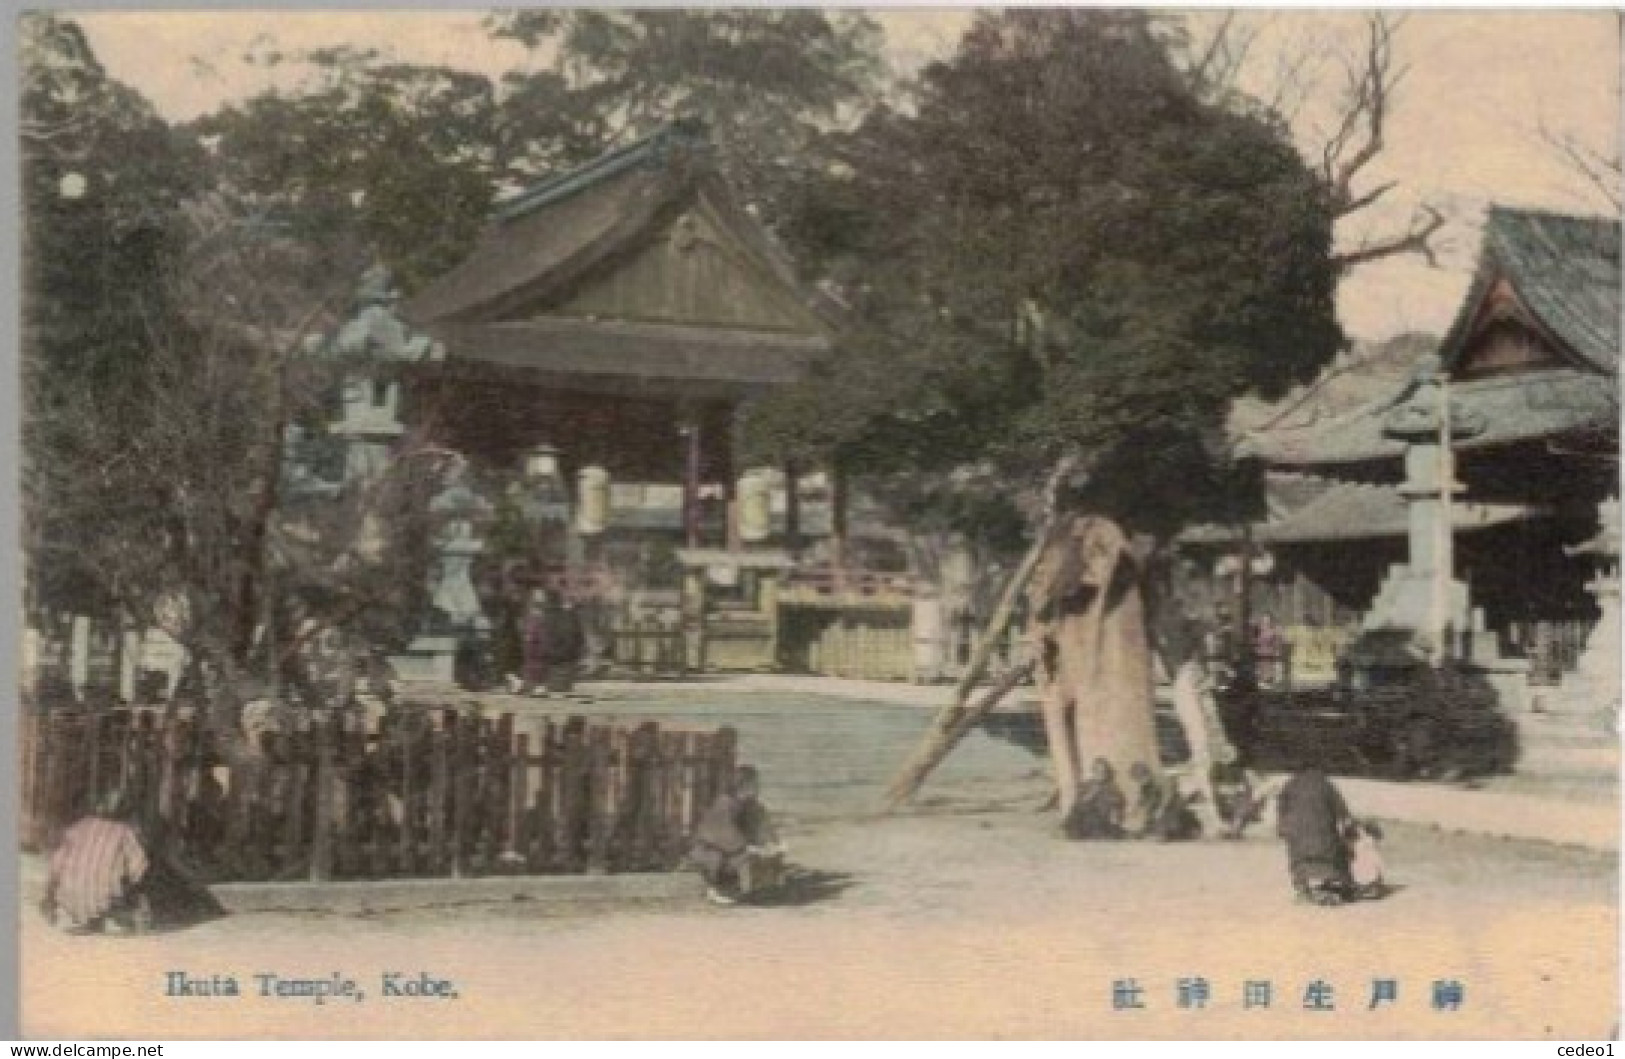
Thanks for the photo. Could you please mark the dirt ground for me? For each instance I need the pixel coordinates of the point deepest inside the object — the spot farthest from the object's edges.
(940, 924)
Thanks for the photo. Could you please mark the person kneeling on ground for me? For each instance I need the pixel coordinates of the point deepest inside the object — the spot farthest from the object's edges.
(735, 847)
(1098, 811)
(1311, 818)
(96, 874)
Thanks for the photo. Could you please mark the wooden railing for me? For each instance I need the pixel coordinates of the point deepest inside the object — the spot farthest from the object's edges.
(648, 647)
(812, 582)
(431, 795)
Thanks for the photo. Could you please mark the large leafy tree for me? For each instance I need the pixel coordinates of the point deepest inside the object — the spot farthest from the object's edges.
(398, 157)
(166, 356)
(101, 174)
(768, 84)
(1080, 256)
(407, 158)
(1062, 265)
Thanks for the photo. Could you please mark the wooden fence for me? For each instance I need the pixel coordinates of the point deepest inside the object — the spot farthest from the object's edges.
(649, 647)
(446, 795)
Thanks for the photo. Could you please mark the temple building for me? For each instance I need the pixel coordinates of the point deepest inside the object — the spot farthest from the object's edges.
(600, 341)
(619, 313)
(1479, 488)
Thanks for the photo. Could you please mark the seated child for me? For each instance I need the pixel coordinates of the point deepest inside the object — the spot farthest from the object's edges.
(1176, 821)
(1148, 800)
(1099, 809)
(735, 847)
(96, 874)
(1365, 859)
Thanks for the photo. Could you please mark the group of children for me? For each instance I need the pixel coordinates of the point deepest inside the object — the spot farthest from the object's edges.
(1159, 809)
(1332, 857)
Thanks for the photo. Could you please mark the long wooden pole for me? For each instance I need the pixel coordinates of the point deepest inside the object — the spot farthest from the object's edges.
(954, 721)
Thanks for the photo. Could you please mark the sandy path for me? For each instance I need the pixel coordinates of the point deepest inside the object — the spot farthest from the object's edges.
(947, 926)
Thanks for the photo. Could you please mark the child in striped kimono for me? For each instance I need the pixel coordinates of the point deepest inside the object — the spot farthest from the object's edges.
(96, 874)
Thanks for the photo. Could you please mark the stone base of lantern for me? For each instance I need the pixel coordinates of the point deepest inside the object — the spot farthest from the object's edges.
(1593, 689)
(1405, 600)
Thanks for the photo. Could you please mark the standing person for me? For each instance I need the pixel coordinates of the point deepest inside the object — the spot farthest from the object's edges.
(535, 644)
(1219, 643)
(562, 644)
(1311, 818)
(508, 635)
(1268, 649)
(735, 845)
(96, 873)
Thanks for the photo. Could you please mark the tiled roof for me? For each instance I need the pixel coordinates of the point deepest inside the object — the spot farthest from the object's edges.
(1356, 511)
(1565, 270)
(550, 236)
(1511, 408)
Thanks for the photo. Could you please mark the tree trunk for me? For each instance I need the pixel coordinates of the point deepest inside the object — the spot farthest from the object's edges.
(1103, 673)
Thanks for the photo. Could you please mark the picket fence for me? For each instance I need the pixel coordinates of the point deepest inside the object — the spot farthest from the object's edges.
(439, 794)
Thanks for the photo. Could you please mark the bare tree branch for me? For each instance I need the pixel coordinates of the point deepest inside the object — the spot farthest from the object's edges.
(1372, 80)
(1600, 171)
(1416, 239)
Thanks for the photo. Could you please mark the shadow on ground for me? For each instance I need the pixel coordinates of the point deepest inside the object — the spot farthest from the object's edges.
(805, 887)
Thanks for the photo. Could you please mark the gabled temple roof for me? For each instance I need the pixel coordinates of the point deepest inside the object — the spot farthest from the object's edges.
(1565, 273)
(595, 248)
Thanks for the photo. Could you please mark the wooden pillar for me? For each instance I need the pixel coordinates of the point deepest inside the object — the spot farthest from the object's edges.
(691, 485)
(792, 510)
(837, 520)
(693, 610)
(79, 655)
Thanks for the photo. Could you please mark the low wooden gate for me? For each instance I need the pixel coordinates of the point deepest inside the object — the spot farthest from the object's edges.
(441, 795)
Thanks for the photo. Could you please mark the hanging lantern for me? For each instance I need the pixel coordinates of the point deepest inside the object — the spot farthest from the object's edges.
(592, 508)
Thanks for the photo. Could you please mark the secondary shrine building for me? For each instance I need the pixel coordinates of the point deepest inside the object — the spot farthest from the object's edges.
(620, 313)
(1529, 373)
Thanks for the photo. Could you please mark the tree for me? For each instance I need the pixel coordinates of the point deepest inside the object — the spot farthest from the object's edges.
(179, 508)
(398, 157)
(101, 174)
(1063, 264)
(1358, 107)
(768, 84)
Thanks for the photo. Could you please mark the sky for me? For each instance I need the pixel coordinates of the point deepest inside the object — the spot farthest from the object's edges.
(1465, 130)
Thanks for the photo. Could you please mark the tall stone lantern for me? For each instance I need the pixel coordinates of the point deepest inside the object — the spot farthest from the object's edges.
(373, 345)
(1422, 594)
(1595, 683)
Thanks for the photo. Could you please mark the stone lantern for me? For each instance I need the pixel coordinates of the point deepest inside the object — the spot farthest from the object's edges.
(1595, 683)
(544, 496)
(456, 621)
(1423, 594)
(373, 345)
